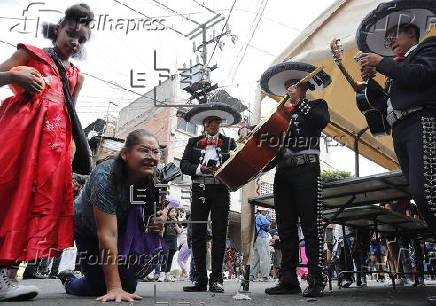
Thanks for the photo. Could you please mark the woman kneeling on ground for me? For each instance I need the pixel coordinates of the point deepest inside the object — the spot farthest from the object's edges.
(116, 236)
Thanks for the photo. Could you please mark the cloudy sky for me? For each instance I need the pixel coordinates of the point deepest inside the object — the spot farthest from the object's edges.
(125, 44)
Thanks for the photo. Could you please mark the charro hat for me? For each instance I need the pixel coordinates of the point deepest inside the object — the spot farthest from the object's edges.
(370, 36)
(274, 78)
(228, 114)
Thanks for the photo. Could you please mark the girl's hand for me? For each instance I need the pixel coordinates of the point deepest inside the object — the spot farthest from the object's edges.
(28, 79)
(118, 295)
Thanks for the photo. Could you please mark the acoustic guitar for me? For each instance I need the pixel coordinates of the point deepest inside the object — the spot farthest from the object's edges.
(264, 142)
(367, 100)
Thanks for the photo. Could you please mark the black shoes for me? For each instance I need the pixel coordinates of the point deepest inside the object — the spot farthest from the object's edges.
(315, 288)
(216, 287)
(37, 275)
(284, 288)
(66, 275)
(197, 287)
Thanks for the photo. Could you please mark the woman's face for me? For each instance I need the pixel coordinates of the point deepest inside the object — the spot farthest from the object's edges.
(71, 38)
(143, 157)
(172, 213)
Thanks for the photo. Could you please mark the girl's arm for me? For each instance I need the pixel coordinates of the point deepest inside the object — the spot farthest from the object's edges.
(178, 229)
(107, 232)
(26, 79)
(78, 88)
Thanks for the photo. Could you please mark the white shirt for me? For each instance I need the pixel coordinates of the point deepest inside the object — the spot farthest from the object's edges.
(210, 154)
(390, 108)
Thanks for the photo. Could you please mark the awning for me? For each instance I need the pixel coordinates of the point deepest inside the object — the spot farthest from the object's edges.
(341, 20)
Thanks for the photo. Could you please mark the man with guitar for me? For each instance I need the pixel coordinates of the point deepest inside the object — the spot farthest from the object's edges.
(201, 158)
(297, 186)
(410, 105)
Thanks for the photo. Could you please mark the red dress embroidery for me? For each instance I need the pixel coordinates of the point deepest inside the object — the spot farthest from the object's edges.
(36, 206)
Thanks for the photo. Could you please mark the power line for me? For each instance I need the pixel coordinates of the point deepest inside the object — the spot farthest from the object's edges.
(141, 13)
(222, 32)
(260, 50)
(175, 12)
(204, 6)
(251, 37)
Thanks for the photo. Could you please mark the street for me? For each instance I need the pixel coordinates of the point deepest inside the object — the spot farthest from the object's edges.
(52, 293)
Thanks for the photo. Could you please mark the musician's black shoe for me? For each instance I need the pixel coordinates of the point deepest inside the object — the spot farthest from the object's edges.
(284, 288)
(197, 287)
(315, 288)
(216, 287)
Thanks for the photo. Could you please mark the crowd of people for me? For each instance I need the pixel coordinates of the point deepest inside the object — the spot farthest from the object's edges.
(355, 259)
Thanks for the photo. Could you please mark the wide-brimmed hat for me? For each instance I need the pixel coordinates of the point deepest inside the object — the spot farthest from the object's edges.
(274, 78)
(228, 114)
(370, 36)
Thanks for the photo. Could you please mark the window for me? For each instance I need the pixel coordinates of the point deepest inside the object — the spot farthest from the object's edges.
(186, 126)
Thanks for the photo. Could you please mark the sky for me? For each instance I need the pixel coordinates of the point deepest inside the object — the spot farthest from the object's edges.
(259, 31)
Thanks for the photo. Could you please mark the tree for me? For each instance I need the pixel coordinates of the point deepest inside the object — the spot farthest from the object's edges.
(331, 176)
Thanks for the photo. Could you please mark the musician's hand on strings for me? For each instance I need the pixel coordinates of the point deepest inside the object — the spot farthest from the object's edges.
(367, 73)
(205, 169)
(242, 139)
(213, 169)
(369, 60)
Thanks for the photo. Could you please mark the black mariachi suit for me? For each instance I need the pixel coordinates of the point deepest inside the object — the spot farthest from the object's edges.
(297, 193)
(412, 83)
(213, 198)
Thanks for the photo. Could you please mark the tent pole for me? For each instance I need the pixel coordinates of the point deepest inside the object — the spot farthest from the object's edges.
(356, 151)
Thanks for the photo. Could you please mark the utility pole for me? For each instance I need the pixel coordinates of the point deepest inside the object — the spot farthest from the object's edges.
(104, 131)
(196, 79)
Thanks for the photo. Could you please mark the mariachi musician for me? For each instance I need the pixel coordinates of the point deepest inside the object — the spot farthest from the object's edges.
(297, 186)
(409, 99)
(201, 158)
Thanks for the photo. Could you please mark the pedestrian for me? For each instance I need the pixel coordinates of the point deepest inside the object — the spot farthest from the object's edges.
(277, 255)
(184, 251)
(116, 239)
(261, 254)
(171, 231)
(38, 124)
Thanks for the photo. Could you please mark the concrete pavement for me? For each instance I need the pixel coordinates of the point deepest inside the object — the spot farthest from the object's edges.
(52, 293)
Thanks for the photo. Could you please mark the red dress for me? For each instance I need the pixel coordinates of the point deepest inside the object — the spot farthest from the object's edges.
(36, 193)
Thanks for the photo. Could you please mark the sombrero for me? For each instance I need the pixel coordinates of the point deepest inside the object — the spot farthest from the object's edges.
(228, 114)
(370, 36)
(273, 79)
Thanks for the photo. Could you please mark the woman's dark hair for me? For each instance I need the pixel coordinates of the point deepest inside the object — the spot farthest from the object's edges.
(119, 168)
(168, 213)
(78, 15)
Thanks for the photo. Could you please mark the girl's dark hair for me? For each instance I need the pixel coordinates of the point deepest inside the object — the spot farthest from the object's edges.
(168, 213)
(78, 14)
(120, 171)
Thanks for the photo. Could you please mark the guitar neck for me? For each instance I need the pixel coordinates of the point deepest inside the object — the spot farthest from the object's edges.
(357, 87)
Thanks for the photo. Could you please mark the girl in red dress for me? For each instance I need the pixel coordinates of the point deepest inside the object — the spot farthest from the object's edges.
(36, 207)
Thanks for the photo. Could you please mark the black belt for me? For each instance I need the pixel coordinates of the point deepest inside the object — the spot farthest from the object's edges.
(298, 160)
(396, 115)
(207, 180)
